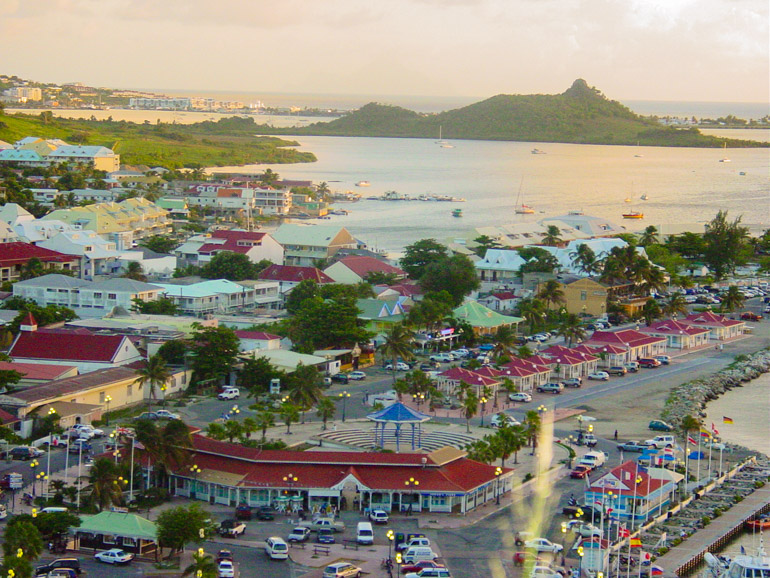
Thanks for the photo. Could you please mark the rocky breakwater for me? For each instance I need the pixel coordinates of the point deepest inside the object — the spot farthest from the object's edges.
(691, 397)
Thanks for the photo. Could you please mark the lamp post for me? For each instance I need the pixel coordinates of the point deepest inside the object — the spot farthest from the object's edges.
(107, 401)
(399, 559)
(483, 401)
(194, 470)
(344, 397)
(33, 464)
(580, 560)
(563, 538)
(411, 482)
(498, 473)
(419, 398)
(391, 536)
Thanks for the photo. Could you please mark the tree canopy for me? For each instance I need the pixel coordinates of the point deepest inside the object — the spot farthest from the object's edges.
(232, 266)
(418, 256)
(214, 351)
(456, 275)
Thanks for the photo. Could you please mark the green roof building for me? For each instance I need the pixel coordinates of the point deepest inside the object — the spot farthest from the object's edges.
(483, 319)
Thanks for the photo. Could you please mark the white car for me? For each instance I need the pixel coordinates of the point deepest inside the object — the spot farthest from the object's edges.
(341, 570)
(599, 375)
(165, 414)
(299, 535)
(229, 393)
(543, 572)
(226, 569)
(400, 366)
(114, 556)
(276, 548)
(430, 573)
(442, 357)
(583, 529)
(378, 516)
(356, 375)
(520, 397)
(499, 418)
(543, 545)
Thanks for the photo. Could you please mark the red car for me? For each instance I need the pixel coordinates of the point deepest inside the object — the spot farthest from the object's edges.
(749, 316)
(417, 566)
(580, 472)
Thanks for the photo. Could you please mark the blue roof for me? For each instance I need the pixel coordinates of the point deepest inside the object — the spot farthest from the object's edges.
(398, 412)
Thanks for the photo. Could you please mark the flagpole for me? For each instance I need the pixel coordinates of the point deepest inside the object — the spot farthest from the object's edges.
(697, 475)
(633, 520)
(721, 447)
(711, 445)
(683, 495)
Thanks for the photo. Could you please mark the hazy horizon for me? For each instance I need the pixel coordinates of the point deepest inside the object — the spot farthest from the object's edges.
(651, 50)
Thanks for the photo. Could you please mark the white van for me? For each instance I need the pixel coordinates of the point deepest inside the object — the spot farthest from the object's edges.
(415, 554)
(364, 533)
(53, 510)
(593, 459)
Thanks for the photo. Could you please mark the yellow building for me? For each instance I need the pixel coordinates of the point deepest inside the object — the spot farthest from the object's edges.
(586, 297)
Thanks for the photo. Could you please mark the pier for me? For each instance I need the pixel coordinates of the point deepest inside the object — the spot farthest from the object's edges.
(683, 558)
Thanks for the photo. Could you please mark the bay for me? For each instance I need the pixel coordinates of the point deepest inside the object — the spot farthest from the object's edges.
(683, 185)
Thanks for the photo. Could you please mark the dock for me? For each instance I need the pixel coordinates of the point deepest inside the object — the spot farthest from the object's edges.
(682, 559)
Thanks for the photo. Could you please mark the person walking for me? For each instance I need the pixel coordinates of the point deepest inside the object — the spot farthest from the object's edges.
(616, 435)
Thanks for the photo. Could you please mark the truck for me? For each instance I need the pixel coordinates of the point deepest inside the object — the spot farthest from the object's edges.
(593, 459)
(319, 523)
(231, 528)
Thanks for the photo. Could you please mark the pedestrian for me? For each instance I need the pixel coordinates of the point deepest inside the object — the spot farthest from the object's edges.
(409, 510)
(616, 435)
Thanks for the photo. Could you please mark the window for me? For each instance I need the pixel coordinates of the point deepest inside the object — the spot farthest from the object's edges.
(130, 390)
(97, 295)
(108, 539)
(583, 295)
(112, 295)
(101, 397)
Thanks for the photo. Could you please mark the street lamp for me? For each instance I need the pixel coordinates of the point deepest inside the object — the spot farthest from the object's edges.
(563, 536)
(580, 560)
(290, 479)
(33, 464)
(498, 472)
(399, 559)
(419, 398)
(391, 536)
(483, 401)
(411, 482)
(344, 397)
(107, 401)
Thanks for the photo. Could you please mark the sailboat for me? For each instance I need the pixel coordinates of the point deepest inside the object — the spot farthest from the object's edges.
(724, 159)
(520, 208)
(445, 144)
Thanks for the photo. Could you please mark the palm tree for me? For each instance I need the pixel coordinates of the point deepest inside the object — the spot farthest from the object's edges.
(304, 388)
(233, 429)
(470, 408)
(325, 409)
(570, 328)
(733, 299)
(249, 426)
(533, 310)
(289, 414)
(649, 236)
(551, 292)
(155, 374)
(167, 447)
(651, 311)
(106, 488)
(504, 340)
(203, 566)
(481, 450)
(135, 271)
(551, 237)
(265, 420)
(514, 438)
(398, 343)
(676, 305)
(532, 424)
(584, 259)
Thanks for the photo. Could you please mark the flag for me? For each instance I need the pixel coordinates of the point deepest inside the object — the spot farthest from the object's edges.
(624, 532)
(635, 543)
(714, 429)
(646, 556)
(726, 419)
(705, 433)
(692, 440)
(656, 571)
(743, 550)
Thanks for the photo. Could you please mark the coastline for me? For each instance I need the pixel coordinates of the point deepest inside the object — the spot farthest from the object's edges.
(749, 407)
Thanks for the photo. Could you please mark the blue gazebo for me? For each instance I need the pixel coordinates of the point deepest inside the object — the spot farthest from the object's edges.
(398, 414)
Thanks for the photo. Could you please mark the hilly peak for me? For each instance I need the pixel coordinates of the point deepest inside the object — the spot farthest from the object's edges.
(580, 89)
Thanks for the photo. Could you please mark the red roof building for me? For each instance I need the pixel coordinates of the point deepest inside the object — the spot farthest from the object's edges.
(355, 268)
(679, 335)
(257, 246)
(449, 381)
(231, 473)
(34, 373)
(720, 327)
(294, 274)
(569, 363)
(14, 256)
(525, 374)
(635, 343)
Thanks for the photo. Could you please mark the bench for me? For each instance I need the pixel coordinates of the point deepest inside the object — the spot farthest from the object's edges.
(320, 549)
(350, 544)
(297, 545)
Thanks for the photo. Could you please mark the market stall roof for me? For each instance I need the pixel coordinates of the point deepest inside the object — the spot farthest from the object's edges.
(118, 524)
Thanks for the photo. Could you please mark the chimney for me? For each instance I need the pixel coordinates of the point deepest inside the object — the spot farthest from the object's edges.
(28, 323)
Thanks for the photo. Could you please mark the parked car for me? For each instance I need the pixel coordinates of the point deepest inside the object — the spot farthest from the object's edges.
(325, 536)
(150, 415)
(71, 563)
(599, 375)
(583, 528)
(231, 528)
(23, 453)
(659, 425)
(573, 382)
(79, 445)
(88, 429)
(340, 378)
(400, 366)
(341, 570)
(441, 357)
(587, 439)
(165, 414)
(226, 569)
(649, 362)
(617, 370)
(265, 513)
(543, 545)
(632, 446)
(430, 573)
(554, 388)
(114, 556)
(486, 347)
(356, 375)
(543, 572)
(243, 512)
(299, 535)
(229, 393)
(749, 316)
(417, 566)
(276, 548)
(520, 396)
(460, 353)
(661, 441)
(579, 472)
(429, 366)
(378, 516)
(224, 555)
(499, 418)
(664, 359)
(632, 366)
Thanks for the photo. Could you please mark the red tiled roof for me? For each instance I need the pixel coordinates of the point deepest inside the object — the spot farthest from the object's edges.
(469, 377)
(710, 319)
(626, 473)
(234, 241)
(406, 289)
(69, 385)
(7, 418)
(672, 327)
(37, 371)
(489, 371)
(362, 266)
(596, 348)
(294, 274)
(504, 295)
(525, 364)
(66, 346)
(629, 337)
(564, 359)
(18, 253)
(259, 335)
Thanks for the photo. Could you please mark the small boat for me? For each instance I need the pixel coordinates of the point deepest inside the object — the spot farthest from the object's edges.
(633, 215)
(644, 197)
(457, 212)
(724, 159)
(743, 565)
(742, 173)
(445, 144)
(761, 523)
(628, 199)
(520, 208)
(363, 184)
(537, 152)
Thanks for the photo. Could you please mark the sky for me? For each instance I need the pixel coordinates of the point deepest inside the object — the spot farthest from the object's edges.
(691, 50)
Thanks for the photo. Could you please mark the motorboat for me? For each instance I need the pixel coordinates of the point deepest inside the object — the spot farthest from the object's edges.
(644, 197)
(538, 152)
(725, 159)
(742, 566)
(633, 215)
(457, 212)
(363, 184)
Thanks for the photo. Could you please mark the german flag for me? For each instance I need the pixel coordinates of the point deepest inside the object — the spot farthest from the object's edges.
(726, 419)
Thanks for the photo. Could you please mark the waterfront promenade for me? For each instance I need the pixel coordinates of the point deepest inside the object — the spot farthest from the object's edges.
(681, 559)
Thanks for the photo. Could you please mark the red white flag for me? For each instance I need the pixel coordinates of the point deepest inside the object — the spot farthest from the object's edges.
(714, 429)
(692, 441)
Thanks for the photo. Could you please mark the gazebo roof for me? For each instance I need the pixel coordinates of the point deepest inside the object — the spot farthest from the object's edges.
(119, 524)
(398, 413)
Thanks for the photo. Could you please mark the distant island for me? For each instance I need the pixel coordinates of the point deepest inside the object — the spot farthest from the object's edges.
(580, 115)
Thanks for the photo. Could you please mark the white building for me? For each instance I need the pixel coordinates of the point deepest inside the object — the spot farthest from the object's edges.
(257, 246)
(209, 297)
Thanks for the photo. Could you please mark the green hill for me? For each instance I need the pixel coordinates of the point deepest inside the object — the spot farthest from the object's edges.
(230, 141)
(581, 114)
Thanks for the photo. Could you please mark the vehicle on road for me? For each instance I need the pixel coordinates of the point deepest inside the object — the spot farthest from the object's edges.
(299, 535)
(341, 570)
(231, 528)
(320, 523)
(23, 453)
(430, 573)
(520, 396)
(593, 459)
(617, 370)
(356, 375)
(226, 569)
(413, 542)
(588, 440)
(584, 529)
(664, 359)
(632, 366)
(340, 378)
(573, 382)
(165, 414)
(417, 553)
(486, 347)
(580, 472)
(554, 388)
(659, 425)
(276, 548)
(749, 316)
(417, 566)
(543, 572)
(87, 429)
(378, 516)
(150, 415)
(498, 419)
(442, 357)
(543, 545)
(400, 366)
(114, 556)
(229, 393)
(71, 563)
(632, 446)
(662, 441)
(599, 376)
(649, 362)
(224, 555)
(265, 513)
